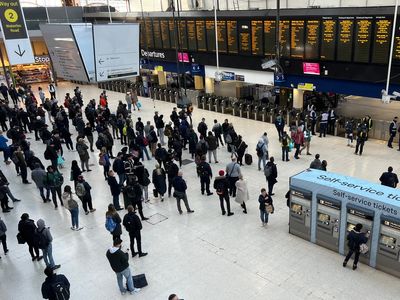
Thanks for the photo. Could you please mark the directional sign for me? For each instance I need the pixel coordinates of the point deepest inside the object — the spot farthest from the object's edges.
(16, 39)
(116, 48)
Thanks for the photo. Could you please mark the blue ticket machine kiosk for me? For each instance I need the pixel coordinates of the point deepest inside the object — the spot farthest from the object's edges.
(300, 214)
(387, 257)
(328, 222)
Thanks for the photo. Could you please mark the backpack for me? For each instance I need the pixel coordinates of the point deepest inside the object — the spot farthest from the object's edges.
(201, 170)
(130, 192)
(220, 187)
(110, 224)
(102, 160)
(268, 170)
(60, 290)
(40, 239)
(80, 150)
(47, 154)
(259, 150)
(145, 141)
(228, 139)
(80, 190)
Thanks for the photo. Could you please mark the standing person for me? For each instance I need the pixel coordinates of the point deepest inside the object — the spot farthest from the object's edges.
(75, 172)
(72, 206)
(42, 95)
(240, 150)
(53, 182)
(285, 141)
(45, 243)
(233, 172)
(262, 151)
(361, 137)
(115, 189)
(113, 218)
(89, 135)
(161, 155)
(298, 138)
(82, 149)
(3, 236)
(4, 91)
(313, 118)
(271, 173)
(55, 286)
(264, 199)
(159, 182)
(205, 173)
(133, 196)
(19, 159)
(389, 178)
(212, 147)
(324, 165)
(349, 132)
(307, 140)
(331, 121)
(152, 138)
(217, 129)
(27, 229)
(180, 188)
(52, 90)
(135, 100)
(119, 167)
(104, 160)
(119, 262)
(202, 128)
(38, 175)
(82, 190)
(279, 124)
(355, 238)
(323, 124)
(160, 128)
(222, 185)
(172, 170)
(392, 132)
(133, 225)
(242, 194)
(128, 100)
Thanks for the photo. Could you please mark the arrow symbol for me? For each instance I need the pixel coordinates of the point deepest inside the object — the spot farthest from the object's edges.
(19, 53)
(101, 74)
(101, 61)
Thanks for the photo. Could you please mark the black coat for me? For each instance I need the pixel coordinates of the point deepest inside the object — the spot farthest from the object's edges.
(132, 222)
(27, 229)
(47, 290)
(114, 186)
(355, 239)
(117, 219)
(159, 181)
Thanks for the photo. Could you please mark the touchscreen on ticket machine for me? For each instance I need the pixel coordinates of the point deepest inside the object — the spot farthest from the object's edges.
(387, 258)
(328, 222)
(365, 217)
(300, 214)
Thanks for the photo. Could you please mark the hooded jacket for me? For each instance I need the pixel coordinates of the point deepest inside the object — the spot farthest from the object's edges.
(118, 259)
(69, 201)
(45, 231)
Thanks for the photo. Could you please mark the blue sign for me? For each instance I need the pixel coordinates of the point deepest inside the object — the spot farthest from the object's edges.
(228, 76)
(279, 77)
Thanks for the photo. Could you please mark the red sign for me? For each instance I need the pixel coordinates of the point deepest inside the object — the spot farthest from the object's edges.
(311, 68)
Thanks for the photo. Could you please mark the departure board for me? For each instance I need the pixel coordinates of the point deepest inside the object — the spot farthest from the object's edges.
(297, 39)
(210, 29)
(221, 30)
(183, 37)
(381, 40)
(328, 38)
(172, 33)
(191, 35)
(201, 35)
(231, 28)
(345, 38)
(157, 34)
(312, 39)
(165, 34)
(257, 37)
(269, 37)
(396, 46)
(244, 37)
(362, 39)
(142, 34)
(149, 33)
(284, 39)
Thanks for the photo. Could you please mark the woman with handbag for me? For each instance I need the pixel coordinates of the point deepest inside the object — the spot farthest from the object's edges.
(266, 206)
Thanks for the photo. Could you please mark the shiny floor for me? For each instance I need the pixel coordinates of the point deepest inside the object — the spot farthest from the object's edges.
(203, 255)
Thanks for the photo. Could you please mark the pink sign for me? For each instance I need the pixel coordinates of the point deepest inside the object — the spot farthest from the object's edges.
(311, 68)
(183, 57)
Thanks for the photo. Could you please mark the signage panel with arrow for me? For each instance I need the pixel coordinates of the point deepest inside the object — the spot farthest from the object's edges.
(15, 34)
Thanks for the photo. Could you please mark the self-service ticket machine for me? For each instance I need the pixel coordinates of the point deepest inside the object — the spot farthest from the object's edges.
(365, 217)
(387, 257)
(300, 214)
(328, 222)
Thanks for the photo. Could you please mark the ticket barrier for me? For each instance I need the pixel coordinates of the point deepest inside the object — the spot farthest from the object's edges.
(256, 112)
(175, 99)
(271, 116)
(365, 217)
(210, 103)
(300, 214)
(264, 114)
(328, 222)
(235, 109)
(387, 257)
(241, 108)
(217, 105)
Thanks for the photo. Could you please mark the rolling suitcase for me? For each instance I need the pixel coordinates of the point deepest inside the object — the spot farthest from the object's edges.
(248, 159)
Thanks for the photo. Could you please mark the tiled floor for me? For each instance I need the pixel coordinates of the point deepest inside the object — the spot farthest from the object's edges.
(203, 255)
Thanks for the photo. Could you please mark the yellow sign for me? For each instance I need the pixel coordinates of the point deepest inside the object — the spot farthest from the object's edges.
(11, 15)
(306, 86)
(158, 68)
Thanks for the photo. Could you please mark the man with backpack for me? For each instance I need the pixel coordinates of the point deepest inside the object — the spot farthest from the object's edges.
(205, 173)
(53, 181)
(43, 240)
(271, 173)
(262, 150)
(55, 286)
(133, 225)
(82, 190)
(221, 185)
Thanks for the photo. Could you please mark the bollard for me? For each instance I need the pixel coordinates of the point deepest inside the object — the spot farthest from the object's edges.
(335, 131)
(241, 110)
(255, 112)
(248, 111)
(271, 116)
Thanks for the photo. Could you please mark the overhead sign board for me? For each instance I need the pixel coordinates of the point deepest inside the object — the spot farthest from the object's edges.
(16, 39)
(64, 52)
(306, 86)
(116, 51)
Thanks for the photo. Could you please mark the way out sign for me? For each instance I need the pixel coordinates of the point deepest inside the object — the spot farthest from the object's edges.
(15, 34)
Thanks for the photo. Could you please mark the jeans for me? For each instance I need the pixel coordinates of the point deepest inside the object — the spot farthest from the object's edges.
(116, 201)
(285, 153)
(143, 149)
(145, 192)
(181, 196)
(41, 190)
(121, 178)
(128, 276)
(54, 192)
(48, 256)
(160, 132)
(262, 158)
(75, 217)
(129, 104)
(322, 129)
(213, 153)
(264, 216)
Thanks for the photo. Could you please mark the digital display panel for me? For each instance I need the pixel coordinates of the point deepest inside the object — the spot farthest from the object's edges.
(210, 29)
(157, 34)
(363, 39)
(172, 33)
(231, 28)
(165, 34)
(257, 37)
(345, 38)
(284, 39)
(244, 37)
(183, 35)
(297, 39)
(269, 37)
(221, 30)
(191, 35)
(328, 38)
(381, 40)
(201, 35)
(313, 29)
(149, 33)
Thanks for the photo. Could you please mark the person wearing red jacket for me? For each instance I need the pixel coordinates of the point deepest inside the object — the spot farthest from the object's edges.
(298, 138)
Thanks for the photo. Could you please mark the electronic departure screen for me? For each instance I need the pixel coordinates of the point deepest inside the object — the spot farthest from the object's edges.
(157, 34)
(231, 28)
(328, 38)
(297, 39)
(210, 29)
(312, 39)
(191, 35)
(381, 41)
(284, 37)
(183, 40)
(257, 37)
(269, 37)
(149, 33)
(345, 38)
(142, 34)
(172, 33)
(221, 30)
(201, 35)
(363, 39)
(244, 37)
(165, 34)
